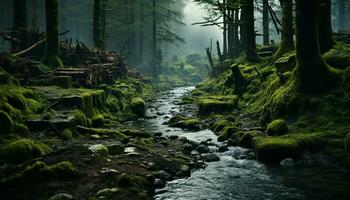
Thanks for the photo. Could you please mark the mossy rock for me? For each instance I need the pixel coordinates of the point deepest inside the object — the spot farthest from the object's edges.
(6, 123)
(216, 104)
(67, 134)
(192, 124)
(21, 150)
(246, 138)
(175, 119)
(277, 127)
(99, 149)
(220, 125)
(98, 121)
(14, 113)
(227, 133)
(337, 59)
(135, 133)
(39, 172)
(274, 149)
(103, 132)
(138, 106)
(20, 129)
(62, 81)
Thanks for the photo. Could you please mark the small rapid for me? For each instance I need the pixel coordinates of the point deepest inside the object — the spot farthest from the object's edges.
(238, 176)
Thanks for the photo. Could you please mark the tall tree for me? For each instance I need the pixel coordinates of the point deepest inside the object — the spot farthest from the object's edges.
(287, 42)
(266, 23)
(97, 25)
(341, 15)
(248, 30)
(312, 73)
(19, 21)
(325, 26)
(51, 56)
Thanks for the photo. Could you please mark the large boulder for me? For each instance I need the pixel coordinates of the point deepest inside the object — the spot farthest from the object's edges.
(138, 106)
(277, 127)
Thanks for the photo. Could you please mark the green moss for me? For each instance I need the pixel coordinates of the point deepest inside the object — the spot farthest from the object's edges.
(135, 133)
(175, 119)
(20, 129)
(227, 133)
(337, 59)
(14, 113)
(220, 125)
(17, 100)
(246, 138)
(275, 149)
(216, 104)
(98, 121)
(105, 132)
(277, 127)
(80, 118)
(192, 124)
(40, 172)
(138, 106)
(67, 134)
(6, 123)
(22, 150)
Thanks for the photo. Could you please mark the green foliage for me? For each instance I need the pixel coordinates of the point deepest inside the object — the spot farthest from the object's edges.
(6, 123)
(347, 143)
(277, 127)
(216, 104)
(80, 118)
(21, 150)
(20, 129)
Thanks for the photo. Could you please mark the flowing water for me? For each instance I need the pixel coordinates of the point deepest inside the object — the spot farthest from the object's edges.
(235, 176)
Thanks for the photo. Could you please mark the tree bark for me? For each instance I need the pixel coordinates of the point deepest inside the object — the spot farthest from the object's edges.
(341, 15)
(19, 22)
(51, 56)
(248, 31)
(225, 30)
(287, 42)
(236, 42)
(266, 23)
(325, 26)
(312, 74)
(97, 25)
(103, 23)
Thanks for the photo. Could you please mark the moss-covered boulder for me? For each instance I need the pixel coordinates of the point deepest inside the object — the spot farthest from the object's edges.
(337, 59)
(6, 123)
(80, 118)
(104, 133)
(274, 149)
(192, 124)
(98, 121)
(40, 172)
(218, 126)
(277, 127)
(246, 138)
(21, 150)
(138, 106)
(175, 119)
(227, 133)
(216, 104)
(99, 149)
(67, 134)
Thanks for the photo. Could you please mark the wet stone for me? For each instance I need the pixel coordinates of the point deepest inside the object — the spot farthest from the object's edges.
(203, 149)
(222, 149)
(164, 175)
(61, 196)
(158, 183)
(212, 157)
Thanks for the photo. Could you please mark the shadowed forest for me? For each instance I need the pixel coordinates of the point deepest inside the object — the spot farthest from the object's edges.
(174, 99)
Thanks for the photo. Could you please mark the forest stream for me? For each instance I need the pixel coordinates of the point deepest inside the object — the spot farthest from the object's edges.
(237, 175)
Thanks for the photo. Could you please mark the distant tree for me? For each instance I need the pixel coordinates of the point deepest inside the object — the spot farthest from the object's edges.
(248, 31)
(325, 26)
(97, 25)
(266, 22)
(312, 73)
(20, 18)
(51, 56)
(287, 42)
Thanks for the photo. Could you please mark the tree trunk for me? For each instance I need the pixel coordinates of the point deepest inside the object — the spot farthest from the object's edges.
(287, 42)
(97, 25)
(341, 15)
(230, 32)
(248, 31)
(51, 57)
(312, 73)
(325, 26)
(103, 23)
(141, 32)
(19, 22)
(266, 23)
(225, 30)
(236, 48)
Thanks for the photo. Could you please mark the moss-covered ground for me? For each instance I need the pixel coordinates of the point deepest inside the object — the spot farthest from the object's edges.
(287, 123)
